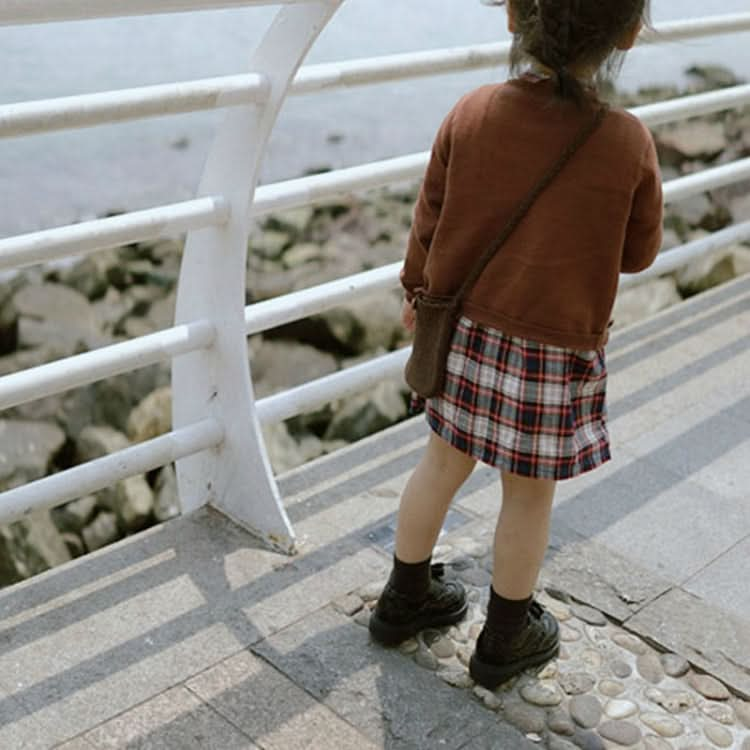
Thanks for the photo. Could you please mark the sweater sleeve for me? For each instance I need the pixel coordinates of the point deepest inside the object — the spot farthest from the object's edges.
(643, 237)
(427, 210)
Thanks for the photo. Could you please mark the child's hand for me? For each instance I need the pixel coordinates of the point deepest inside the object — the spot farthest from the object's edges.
(408, 317)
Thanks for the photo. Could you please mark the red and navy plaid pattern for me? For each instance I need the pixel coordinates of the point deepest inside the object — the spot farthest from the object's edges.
(524, 407)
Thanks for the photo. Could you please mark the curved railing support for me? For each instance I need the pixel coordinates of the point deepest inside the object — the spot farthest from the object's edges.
(237, 476)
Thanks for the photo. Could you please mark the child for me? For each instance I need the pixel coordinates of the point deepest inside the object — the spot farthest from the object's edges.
(526, 376)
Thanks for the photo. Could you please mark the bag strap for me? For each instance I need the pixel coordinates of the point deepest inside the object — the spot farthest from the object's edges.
(523, 208)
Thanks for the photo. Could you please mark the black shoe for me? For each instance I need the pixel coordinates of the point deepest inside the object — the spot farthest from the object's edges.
(496, 660)
(397, 617)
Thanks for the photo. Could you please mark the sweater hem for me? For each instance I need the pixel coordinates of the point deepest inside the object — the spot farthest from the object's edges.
(552, 337)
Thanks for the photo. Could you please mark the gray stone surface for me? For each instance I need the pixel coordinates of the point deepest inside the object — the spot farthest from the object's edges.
(174, 719)
(387, 698)
(270, 708)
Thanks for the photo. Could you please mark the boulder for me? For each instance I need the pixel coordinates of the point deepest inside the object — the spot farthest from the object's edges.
(713, 270)
(367, 413)
(101, 531)
(279, 365)
(73, 517)
(292, 222)
(152, 417)
(96, 441)
(691, 140)
(709, 77)
(27, 450)
(739, 207)
(644, 300)
(53, 312)
(91, 275)
(30, 546)
(166, 495)
(283, 451)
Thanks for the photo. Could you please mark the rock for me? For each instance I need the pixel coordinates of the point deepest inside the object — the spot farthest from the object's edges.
(630, 643)
(133, 502)
(490, 699)
(270, 243)
(525, 717)
(73, 516)
(30, 546)
(585, 710)
(542, 694)
(557, 743)
(576, 683)
(101, 531)
(663, 724)
(409, 646)
(620, 709)
(292, 222)
(656, 743)
(649, 667)
(459, 678)
(709, 77)
(644, 300)
(279, 365)
(588, 615)
(674, 665)
(559, 721)
(283, 450)
(591, 659)
(690, 140)
(708, 687)
(720, 712)
(588, 740)
(720, 736)
(348, 604)
(674, 701)
(96, 441)
(739, 207)
(74, 544)
(166, 495)
(367, 413)
(425, 658)
(569, 634)
(91, 275)
(746, 743)
(152, 417)
(610, 688)
(742, 709)
(706, 272)
(622, 732)
(27, 450)
(443, 648)
(475, 577)
(303, 253)
(56, 312)
(362, 618)
(621, 669)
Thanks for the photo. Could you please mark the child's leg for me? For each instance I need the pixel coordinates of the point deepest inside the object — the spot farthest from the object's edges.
(416, 596)
(517, 633)
(522, 535)
(427, 497)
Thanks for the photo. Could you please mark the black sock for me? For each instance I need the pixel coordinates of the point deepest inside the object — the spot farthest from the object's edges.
(506, 617)
(411, 579)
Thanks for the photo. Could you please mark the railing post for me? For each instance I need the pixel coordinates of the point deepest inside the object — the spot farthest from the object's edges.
(237, 476)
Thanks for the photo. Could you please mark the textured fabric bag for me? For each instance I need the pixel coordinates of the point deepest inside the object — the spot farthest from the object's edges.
(436, 316)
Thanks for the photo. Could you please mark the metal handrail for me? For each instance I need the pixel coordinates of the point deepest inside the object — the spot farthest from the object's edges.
(210, 430)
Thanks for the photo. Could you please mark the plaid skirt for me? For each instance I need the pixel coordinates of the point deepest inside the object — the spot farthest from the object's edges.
(524, 407)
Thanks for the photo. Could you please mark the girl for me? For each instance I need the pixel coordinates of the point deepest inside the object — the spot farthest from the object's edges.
(526, 376)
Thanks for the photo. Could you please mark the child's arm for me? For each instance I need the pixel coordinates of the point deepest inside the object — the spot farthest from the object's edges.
(427, 211)
(643, 238)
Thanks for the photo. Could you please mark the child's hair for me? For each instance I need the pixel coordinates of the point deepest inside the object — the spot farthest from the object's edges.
(562, 33)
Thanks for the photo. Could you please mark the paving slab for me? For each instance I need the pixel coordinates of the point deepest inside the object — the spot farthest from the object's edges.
(395, 703)
(709, 637)
(173, 719)
(724, 582)
(272, 709)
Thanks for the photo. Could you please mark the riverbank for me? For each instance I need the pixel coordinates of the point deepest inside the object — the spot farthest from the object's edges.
(49, 313)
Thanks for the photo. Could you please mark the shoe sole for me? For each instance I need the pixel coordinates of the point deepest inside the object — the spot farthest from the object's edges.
(491, 676)
(392, 635)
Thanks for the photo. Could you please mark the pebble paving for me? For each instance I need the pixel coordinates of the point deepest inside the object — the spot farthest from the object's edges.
(607, 690)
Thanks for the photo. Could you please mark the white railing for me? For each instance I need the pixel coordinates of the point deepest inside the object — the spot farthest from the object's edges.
(216, 441)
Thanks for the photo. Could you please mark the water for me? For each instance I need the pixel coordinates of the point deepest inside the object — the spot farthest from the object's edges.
(57, 178)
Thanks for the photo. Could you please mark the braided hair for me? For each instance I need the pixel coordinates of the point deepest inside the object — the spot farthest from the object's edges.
(560, 34)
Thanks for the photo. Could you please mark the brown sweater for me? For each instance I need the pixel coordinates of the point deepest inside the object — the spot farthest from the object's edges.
(555, 279)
